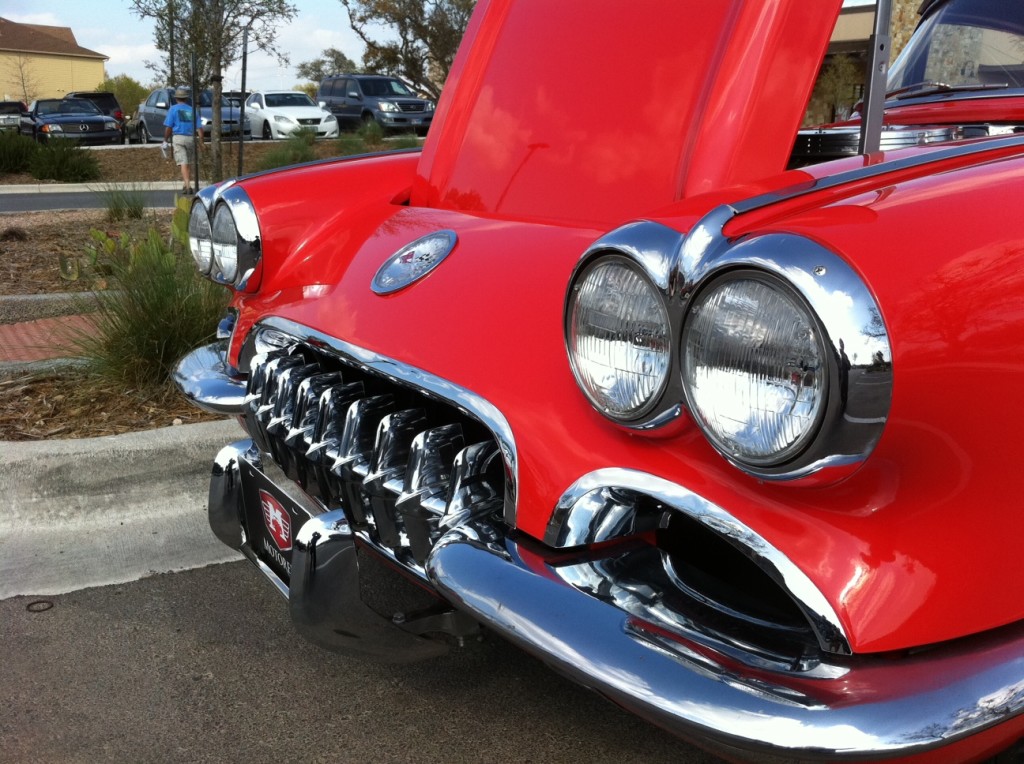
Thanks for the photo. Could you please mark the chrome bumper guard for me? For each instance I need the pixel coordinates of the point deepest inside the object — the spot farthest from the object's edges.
(324, 595)
(206, 380)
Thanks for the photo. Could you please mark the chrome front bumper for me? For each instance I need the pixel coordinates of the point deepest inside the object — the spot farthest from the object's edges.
(549, 603)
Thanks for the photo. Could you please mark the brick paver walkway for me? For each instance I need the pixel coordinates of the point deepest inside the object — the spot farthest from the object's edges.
(41, 339)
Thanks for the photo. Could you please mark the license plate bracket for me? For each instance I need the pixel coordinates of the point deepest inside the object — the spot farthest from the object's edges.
(272, 518)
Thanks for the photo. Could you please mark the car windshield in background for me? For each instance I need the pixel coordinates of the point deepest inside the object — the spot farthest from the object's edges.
(67, 106)
(10, 108)
(288, 99)
(206, 99)
(965, 45)
(382, 86)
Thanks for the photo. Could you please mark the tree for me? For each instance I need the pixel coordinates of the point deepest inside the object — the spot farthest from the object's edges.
(128, 92)
(23, 78)
(427, 34)
(331, 61)
(214, 30)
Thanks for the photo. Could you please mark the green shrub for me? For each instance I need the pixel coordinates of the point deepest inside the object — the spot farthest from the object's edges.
(123, 202)
(65, 161)
(16, 152)
(157, 310)
(372, 134)
(404, 141)
(295, 149)
(349, 144)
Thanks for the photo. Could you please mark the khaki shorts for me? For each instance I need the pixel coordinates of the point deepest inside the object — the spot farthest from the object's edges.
(184, 148)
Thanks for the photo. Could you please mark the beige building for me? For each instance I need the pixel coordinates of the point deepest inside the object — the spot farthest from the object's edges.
(39, 61)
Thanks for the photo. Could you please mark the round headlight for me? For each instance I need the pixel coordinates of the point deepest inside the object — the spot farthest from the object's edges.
(225, 243)
(755, 369)
(200, 238)
(618, 338)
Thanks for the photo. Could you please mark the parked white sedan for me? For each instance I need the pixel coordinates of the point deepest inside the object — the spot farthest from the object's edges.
(279, 113)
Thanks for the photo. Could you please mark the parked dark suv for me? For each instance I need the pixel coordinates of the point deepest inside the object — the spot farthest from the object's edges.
(358, 98)
(106, 102)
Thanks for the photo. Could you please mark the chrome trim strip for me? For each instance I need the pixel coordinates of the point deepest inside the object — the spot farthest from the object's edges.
(405, 374)
(869, 171)
(577, 522)
(206, 379)
(879, 708)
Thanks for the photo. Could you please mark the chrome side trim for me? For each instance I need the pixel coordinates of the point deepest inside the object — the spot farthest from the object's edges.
(405, 374)
(878, 708)
(578, 521)
(870, 171)
(205, 378)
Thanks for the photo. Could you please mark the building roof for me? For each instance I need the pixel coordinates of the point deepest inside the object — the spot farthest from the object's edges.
(39, 39)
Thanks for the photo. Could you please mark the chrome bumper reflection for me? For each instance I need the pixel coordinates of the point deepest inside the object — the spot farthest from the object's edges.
(867, 709)
(206, 379)
(324, 592)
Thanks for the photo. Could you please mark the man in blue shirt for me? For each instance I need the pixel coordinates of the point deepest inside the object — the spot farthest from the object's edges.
(178, 130)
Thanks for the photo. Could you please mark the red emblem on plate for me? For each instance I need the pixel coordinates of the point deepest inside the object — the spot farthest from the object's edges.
(277, 520)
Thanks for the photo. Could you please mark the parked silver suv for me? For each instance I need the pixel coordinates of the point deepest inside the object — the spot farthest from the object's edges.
(359, 98)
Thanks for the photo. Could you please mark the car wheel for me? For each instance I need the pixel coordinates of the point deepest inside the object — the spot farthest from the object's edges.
(143, 133)
(268, 134)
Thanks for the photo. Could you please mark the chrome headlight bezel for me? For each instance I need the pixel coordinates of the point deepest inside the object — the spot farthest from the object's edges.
(231, 203)
(200, 237)
(750, 363)
(847, 319)
(606, 367)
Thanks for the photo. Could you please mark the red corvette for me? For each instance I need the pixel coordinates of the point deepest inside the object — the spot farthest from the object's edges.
(714, 437)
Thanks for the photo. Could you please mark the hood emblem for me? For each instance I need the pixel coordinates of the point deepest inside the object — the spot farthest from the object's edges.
(279, 524)
(413, 261)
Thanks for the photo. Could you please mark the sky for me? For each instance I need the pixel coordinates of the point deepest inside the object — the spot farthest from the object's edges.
(111, 28)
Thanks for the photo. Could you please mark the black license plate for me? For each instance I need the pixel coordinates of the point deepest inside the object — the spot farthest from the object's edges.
(272, 518)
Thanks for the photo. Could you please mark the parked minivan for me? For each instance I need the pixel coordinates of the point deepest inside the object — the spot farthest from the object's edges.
(359, 98)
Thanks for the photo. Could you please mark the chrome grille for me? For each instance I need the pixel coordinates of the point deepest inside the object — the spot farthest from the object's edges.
(410, 106)
(312, 121)
(403, 464)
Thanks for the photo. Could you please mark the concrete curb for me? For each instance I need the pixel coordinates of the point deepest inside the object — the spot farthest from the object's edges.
(16, 308)
(95, 188)
(99, 511)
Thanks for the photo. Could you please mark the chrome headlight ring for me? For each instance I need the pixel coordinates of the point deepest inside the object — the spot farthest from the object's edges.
(815, 387)
(224, 236)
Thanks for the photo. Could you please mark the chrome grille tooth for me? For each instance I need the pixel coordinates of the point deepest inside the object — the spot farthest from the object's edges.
(355, 450)
(383, 482)
(476, 484)
(425, 487)
(325, 442)
(306, 412)
(287, 383)
(267, 381)
(307, 408)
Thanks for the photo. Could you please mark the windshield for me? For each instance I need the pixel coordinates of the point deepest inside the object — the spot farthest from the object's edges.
(383, 86)
(206, 99)
(964, 44)
(289, 99)
(67, 106)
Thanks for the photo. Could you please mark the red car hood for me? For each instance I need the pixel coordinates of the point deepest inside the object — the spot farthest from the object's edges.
(720, 107)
